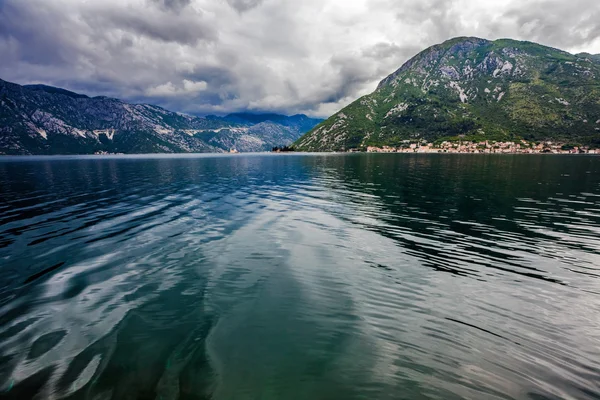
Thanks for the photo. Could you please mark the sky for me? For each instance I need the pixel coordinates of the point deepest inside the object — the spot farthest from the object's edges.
(288, 56)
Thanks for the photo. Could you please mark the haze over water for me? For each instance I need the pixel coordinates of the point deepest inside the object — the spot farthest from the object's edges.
(300, 277)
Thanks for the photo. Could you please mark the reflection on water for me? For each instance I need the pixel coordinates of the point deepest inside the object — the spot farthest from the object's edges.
(300, 277)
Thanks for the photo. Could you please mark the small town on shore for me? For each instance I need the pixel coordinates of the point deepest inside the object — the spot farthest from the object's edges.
(485, 147)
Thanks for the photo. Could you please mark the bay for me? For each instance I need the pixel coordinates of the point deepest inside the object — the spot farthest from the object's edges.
(300, 276)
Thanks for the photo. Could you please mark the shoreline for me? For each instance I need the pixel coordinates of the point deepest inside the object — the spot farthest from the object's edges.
(487, 147)
(33, 157)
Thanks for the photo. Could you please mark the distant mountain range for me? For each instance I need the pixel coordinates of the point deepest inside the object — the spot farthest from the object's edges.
(473, 89)
(40, 119)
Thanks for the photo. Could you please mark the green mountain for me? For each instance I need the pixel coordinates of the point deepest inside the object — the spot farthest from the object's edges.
(473, 89)
(40, 119)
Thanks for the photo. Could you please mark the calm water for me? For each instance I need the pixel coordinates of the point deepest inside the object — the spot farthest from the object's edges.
(300, 277)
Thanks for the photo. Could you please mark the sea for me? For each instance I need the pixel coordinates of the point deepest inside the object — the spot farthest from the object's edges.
(300, 276)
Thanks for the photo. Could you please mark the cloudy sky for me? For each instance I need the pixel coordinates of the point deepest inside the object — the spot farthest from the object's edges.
(289, 56)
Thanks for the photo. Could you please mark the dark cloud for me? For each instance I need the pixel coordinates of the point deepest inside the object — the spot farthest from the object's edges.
(184, 30)
(219, 56)
(44, 44)
(244, 5)
(354, 70)
(174, 5)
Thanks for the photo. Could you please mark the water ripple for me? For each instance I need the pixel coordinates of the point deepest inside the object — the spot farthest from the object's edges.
(300, 277)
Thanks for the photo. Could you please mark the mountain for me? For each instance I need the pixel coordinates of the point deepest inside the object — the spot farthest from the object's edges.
(260, 132)
(473, 89)
(299, 121)
(40, 119)
(51, 89)
(592, 57)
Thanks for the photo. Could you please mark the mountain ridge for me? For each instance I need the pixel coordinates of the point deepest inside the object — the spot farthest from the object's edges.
(42, 119)
(57, 90)
(472, 89)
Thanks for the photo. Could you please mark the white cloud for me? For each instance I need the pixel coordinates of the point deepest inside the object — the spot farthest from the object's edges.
(169, 89)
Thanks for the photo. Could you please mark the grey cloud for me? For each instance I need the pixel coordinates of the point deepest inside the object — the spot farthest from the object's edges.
(174, 5)
(244, 5)
(187, 30)
(384, 50)
(556, 22)
(441, 17)
(381, 50)
(356, 70)
(218, 76)
(42, 45)
(350, 75)
(312, 56)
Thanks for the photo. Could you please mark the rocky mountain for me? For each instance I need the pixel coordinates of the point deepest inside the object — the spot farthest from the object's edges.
(260, 132)
(298, 122)
(39, 119)
(473, 89)
(592, 57)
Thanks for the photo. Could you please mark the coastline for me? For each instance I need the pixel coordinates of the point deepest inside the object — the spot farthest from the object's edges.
(487, 147)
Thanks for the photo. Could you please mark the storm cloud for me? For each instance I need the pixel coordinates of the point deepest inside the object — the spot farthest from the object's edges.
(219, 56)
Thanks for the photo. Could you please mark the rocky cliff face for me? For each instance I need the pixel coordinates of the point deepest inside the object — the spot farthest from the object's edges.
(476, 89)
(591, 57)
(41, 119)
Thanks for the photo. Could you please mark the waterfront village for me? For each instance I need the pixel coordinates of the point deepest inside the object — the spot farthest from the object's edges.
(486, 147)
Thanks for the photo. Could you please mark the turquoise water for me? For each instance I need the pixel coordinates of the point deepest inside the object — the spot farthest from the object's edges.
(300, 277)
